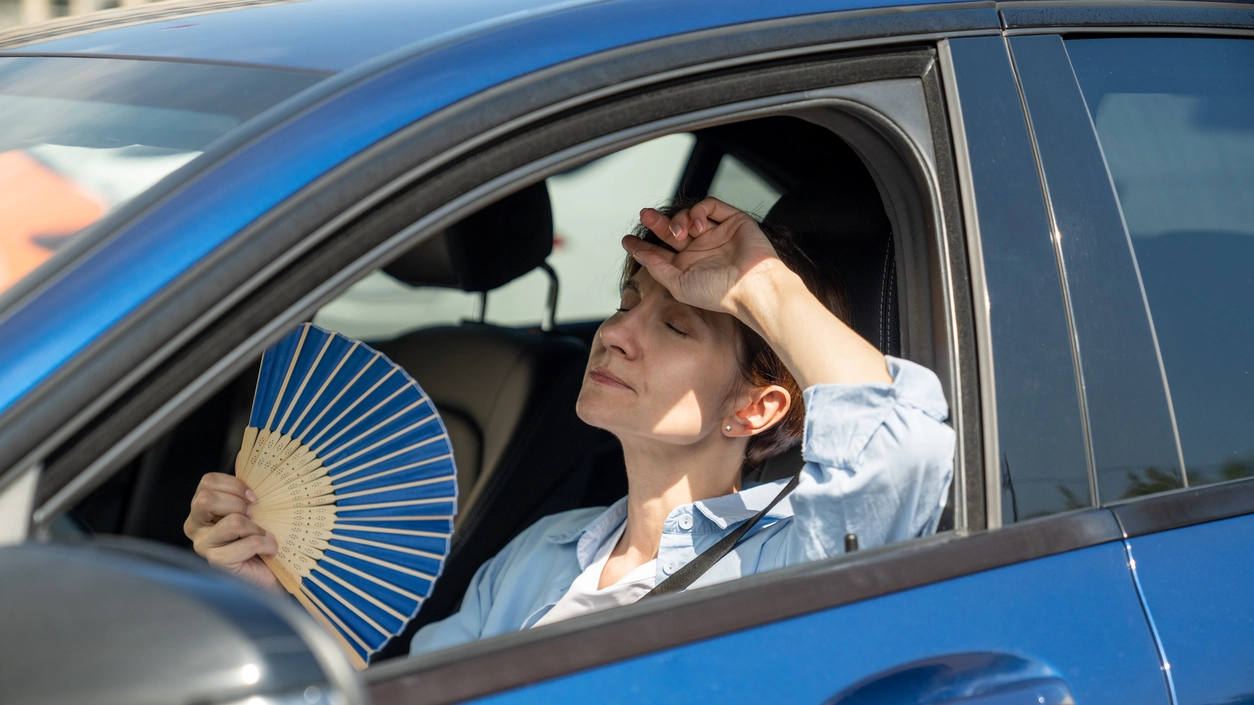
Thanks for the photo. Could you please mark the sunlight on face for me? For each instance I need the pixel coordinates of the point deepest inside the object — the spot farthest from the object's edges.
(660, 370)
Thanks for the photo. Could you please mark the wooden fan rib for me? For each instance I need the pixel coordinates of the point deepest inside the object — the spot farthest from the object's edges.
(389, 505)
(343, 628)
(365, 434)
(326, 344)
(364, 595)
(398, 532)
(386, 564)
(330, 378)
(393, 471)
(314, 441)
(392, 547)
(403, 486)
(389, 456)
(386, 633)
(334, 400)
(378, 581)
(304, 331)
(385, 441)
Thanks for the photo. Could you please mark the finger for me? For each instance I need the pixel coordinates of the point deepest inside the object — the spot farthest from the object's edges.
(655, 259)
(712, 209)
(222, 482)
(208, 506)
(237, 552)
(230, 529)
(663, 227)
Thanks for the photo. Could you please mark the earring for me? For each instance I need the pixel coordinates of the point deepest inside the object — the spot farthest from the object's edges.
(729, 428)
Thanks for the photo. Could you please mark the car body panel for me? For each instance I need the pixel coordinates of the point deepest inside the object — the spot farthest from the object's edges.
(333, 35)
(1076, 614)
(145, 256)
(1198, 584)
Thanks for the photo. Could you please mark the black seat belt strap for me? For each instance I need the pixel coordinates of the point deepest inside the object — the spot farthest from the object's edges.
(682, 578)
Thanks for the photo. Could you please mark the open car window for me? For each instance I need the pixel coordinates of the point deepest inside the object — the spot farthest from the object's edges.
(592, 205)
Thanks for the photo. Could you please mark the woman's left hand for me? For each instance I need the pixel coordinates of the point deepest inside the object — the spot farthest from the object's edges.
(724, 262)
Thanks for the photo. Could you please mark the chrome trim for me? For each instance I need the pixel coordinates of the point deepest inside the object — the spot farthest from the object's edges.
(1056, 237)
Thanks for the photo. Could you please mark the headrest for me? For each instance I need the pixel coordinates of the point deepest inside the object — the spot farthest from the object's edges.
(843, 227)
(486, 250)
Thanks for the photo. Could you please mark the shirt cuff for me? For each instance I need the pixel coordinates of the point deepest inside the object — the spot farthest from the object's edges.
(841, 418)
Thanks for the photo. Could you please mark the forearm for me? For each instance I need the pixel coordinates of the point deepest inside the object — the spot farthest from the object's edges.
(817, 347)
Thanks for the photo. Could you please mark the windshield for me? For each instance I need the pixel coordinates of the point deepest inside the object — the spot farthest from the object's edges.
(80, 136)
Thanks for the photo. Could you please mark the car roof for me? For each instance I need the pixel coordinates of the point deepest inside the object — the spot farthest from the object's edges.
(318, 35)
(46, 322)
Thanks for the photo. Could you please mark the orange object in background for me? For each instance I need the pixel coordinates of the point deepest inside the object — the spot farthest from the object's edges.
(39, 209)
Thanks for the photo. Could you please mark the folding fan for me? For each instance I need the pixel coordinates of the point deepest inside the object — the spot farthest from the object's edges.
(354, 475)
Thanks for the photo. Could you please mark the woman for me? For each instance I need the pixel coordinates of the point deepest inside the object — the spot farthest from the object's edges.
(698, 374)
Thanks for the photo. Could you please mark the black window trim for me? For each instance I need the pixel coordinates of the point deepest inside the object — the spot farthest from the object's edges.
(1117, 17)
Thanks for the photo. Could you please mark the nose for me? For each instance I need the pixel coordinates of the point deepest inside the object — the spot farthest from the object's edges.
(619, 334)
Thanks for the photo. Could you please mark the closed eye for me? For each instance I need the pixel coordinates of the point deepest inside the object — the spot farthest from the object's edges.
(676, 330)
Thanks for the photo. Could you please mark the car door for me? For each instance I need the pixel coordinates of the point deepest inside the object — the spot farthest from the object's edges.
(1156, 171)
(1044, 611)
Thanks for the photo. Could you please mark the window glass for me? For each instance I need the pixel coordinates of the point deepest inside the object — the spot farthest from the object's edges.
(593, 206)
(737, 185)
(1175, 117)
(79, 137)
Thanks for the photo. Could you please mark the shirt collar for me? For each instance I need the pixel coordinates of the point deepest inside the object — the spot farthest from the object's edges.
(591, 535)
(723, 511)
(739, 506)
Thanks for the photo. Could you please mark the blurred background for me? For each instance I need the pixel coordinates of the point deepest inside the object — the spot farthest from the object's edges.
(19, 12)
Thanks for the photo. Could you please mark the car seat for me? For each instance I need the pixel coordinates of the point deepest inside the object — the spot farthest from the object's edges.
(845, 230)
(507, 396)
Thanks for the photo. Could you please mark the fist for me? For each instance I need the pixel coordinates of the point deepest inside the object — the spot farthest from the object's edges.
(222, 531)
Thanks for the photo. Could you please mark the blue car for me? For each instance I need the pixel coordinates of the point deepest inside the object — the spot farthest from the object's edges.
(1047, 203)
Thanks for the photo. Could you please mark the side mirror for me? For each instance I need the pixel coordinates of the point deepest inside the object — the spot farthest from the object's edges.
(127, 621)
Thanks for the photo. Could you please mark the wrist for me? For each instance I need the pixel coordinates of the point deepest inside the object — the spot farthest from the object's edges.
(765, 294)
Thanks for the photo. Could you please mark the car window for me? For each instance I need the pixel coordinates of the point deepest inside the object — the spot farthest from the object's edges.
(79, 137)
(736, 184)
(593, 206)
(1175, 117)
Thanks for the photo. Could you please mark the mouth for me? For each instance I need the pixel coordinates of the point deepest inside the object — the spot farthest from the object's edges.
(600, 375)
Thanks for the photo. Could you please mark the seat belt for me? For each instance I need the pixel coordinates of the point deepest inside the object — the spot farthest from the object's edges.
(682, 578)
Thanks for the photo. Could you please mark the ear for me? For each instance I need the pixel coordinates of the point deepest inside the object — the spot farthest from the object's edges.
(760, 409)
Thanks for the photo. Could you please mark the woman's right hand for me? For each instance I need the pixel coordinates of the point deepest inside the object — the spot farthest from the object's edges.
(222, 531)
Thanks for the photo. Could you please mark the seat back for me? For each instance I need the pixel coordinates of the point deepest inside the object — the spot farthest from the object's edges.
(846, 231)
(507, 396)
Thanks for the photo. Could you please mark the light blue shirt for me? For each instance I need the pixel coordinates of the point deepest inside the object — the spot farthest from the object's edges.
(879, 459)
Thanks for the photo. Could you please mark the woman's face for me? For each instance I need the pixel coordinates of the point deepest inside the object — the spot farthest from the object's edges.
(660, 369)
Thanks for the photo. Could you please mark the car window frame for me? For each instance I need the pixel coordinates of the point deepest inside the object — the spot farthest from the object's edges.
(856, 70)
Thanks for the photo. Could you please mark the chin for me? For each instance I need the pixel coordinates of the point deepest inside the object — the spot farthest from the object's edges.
(592, 408)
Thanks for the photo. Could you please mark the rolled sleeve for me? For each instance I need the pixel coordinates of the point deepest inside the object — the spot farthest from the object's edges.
(879, 460)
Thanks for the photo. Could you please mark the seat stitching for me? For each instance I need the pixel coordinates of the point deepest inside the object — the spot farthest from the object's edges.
(883, 291)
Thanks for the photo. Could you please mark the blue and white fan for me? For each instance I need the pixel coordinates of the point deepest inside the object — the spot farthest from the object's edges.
(354, 475)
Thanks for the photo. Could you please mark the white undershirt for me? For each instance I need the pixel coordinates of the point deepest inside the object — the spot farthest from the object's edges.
(583, 597)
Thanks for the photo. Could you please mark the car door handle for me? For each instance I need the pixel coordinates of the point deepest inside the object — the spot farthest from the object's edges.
(979, 678)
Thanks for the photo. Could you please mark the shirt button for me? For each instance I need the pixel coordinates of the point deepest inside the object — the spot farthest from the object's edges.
(669, 567)
(685, 521)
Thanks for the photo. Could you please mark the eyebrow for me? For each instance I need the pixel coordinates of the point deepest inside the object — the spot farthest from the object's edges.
(631, 284)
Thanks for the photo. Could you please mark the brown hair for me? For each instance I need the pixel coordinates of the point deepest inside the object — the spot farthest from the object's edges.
(759, 365)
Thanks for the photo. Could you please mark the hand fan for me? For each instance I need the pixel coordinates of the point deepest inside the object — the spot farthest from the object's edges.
(354, 475)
